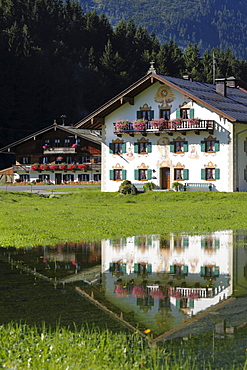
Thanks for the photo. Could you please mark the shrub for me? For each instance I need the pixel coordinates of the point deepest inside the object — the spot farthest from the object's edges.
(127, 187)
(177, 186)
(149, 186)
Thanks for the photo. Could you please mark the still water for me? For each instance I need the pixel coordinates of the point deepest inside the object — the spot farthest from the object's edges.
(174, 285)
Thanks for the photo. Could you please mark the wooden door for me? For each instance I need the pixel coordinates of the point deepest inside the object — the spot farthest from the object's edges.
(58, 178)
(165, 178)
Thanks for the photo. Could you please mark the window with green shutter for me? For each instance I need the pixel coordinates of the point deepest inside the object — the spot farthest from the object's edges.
(186, 174)
(145, 114)
(124, 175)
(185, 270)
(203, 146)
(186, 146)
(172, 269)
(172, 147)
(217, 146)
(111, 147)
(111, 175)
(192, 114)
(217, 173)
(203, 174)
(124, 148)
(149, 174)
(149, 147)
(136, 174)
(136, 147)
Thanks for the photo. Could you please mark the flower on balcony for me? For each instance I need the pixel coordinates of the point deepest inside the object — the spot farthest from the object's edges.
(140, 124)
(193, 122)
(74, 146)
(71, 166)
(35, 167)
(175, 294)
(177, 122)
(158, 123)
(54, 167)
(82, 166)
(138, 291)
(44, 166)
(157, 293)
(121, 291)
(63, 166)
(122, 125)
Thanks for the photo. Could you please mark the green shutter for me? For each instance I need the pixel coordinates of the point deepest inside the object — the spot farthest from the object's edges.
(135, 147)
(172, 269)
(111, 175)
(186, 174)
(149, 268)
(111, 266)
(216, 244)
(138, 114)
(178, 303)
(149, 174)
(203, 271)
(203, 173)
(124, 173)
(177, 113)
(149, 147)
(216, 271)
(191, 303)
(203, 146)
(136, 174)
(186, 146)
(203, 243)
(185, 270)
(172, 147)
(124, 148)
(135, 268)
(192, 113)
(124, 268)
(151, 114)
(185, 242)
(111, 146)
(217, 146)
(217, 173)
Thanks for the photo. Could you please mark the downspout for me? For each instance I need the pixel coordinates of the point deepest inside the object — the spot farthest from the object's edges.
(237, 174)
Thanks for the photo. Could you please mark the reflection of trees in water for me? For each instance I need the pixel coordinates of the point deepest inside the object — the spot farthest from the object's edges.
(164, 319)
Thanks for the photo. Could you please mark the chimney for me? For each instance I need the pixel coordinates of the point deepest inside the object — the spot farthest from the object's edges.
(221, 86)
(231, 82)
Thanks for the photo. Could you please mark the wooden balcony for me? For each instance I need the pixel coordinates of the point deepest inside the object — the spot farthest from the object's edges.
(170, 128)
(59, 150)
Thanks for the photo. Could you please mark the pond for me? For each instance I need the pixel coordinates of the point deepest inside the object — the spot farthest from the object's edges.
(171, 285)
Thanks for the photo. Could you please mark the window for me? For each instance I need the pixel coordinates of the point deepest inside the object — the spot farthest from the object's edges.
(69, 160)
(210, 145)
(185, 113)
(209, 243)
(210, 173)
(165, 113)
(143, 147)
(97, 177)
(210, 271)
(179, 146)
(67, 143)
(117, 147)
(143, 174)
(45, 160)
(47, 142)
(85, 159)
(68, 177)
(83, 177)
(57, 143)
(181, 174)
(24, 178)
(25, 160)
(145, 112)
(118, 174)
(179, 270)
(44, 178)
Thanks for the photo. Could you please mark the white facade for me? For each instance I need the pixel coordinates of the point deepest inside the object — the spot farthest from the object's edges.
(161, 157)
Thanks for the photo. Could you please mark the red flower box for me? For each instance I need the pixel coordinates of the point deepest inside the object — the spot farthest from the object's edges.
(63, 166)
(44, 167)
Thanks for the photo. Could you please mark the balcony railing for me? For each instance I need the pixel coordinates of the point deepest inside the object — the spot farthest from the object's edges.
(169, 126)
(59, 150)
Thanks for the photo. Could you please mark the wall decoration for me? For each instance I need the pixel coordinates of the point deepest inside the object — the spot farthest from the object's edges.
(164, 95)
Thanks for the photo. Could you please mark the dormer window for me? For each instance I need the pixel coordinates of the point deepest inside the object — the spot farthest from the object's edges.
(185, 112)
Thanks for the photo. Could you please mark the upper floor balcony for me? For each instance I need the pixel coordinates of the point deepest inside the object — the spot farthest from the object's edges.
(59, 150)
(158, 126)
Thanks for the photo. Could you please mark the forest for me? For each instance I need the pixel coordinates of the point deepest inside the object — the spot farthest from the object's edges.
(56, 59)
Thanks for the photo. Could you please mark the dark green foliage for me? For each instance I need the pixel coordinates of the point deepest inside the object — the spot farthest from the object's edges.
(55, 59)
(149, 186)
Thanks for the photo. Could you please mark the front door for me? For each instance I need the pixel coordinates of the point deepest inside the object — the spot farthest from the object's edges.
(58, 178)
(165, 178)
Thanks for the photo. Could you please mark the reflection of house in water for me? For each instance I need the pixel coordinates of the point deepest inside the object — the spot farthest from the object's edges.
(170, 278)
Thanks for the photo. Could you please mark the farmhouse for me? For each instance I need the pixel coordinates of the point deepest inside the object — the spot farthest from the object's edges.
(56, 154)
(164, 129)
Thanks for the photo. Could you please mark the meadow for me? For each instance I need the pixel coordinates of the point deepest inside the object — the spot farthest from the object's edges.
(87, 214)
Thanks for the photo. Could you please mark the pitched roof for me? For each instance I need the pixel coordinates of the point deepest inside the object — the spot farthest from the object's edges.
(233, 106)
(85, 134)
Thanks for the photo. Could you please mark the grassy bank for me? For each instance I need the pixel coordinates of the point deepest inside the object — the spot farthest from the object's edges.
(23, 347)
(88, 214)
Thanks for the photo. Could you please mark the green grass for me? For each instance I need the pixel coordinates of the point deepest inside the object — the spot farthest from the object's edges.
(23, 347)
(87, 214)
